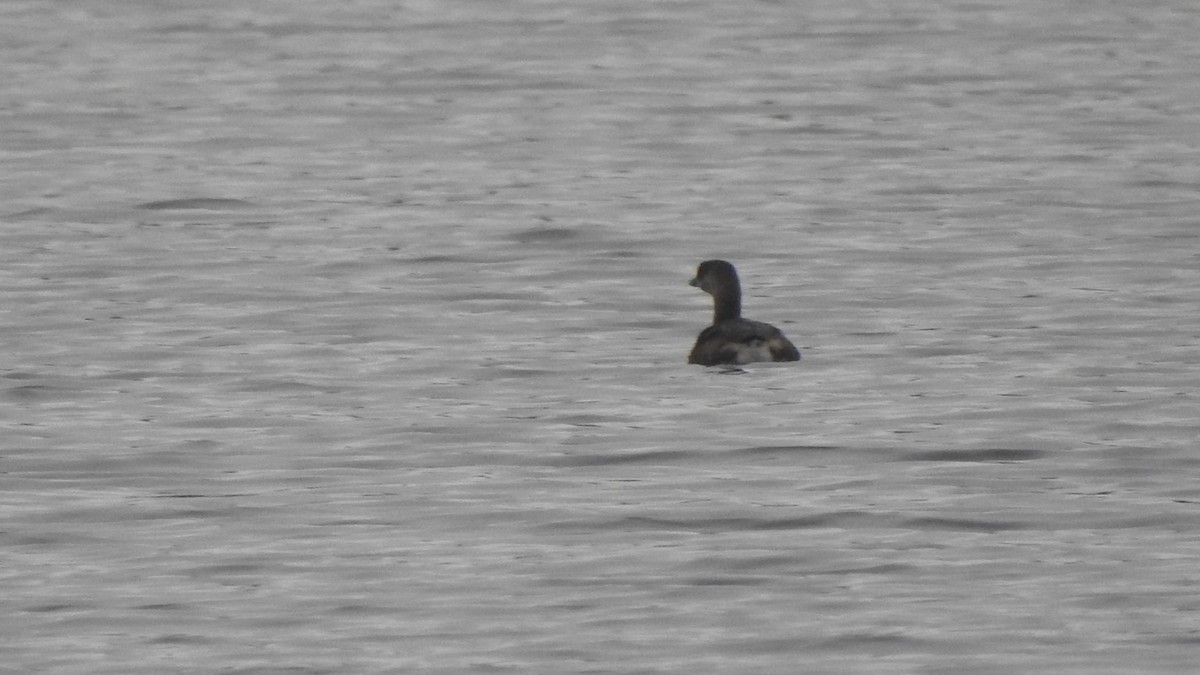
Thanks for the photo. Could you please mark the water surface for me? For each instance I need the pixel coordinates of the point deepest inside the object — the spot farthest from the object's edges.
(350, 338)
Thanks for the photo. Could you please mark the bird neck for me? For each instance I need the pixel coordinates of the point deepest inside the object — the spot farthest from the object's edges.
(727, 304)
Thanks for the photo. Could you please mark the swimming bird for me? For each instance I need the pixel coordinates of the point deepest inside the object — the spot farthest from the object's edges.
(731, 339)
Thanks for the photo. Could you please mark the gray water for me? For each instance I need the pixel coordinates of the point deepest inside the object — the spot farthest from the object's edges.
(350, 337)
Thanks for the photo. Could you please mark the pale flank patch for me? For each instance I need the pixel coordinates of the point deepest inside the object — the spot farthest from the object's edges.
(758, 351)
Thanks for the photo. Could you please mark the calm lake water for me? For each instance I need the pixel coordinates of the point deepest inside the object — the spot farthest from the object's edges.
(350, 337)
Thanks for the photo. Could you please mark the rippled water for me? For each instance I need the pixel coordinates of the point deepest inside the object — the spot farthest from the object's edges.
(350, 338)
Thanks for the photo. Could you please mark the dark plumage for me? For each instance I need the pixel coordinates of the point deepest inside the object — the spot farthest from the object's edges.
(731, 339)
